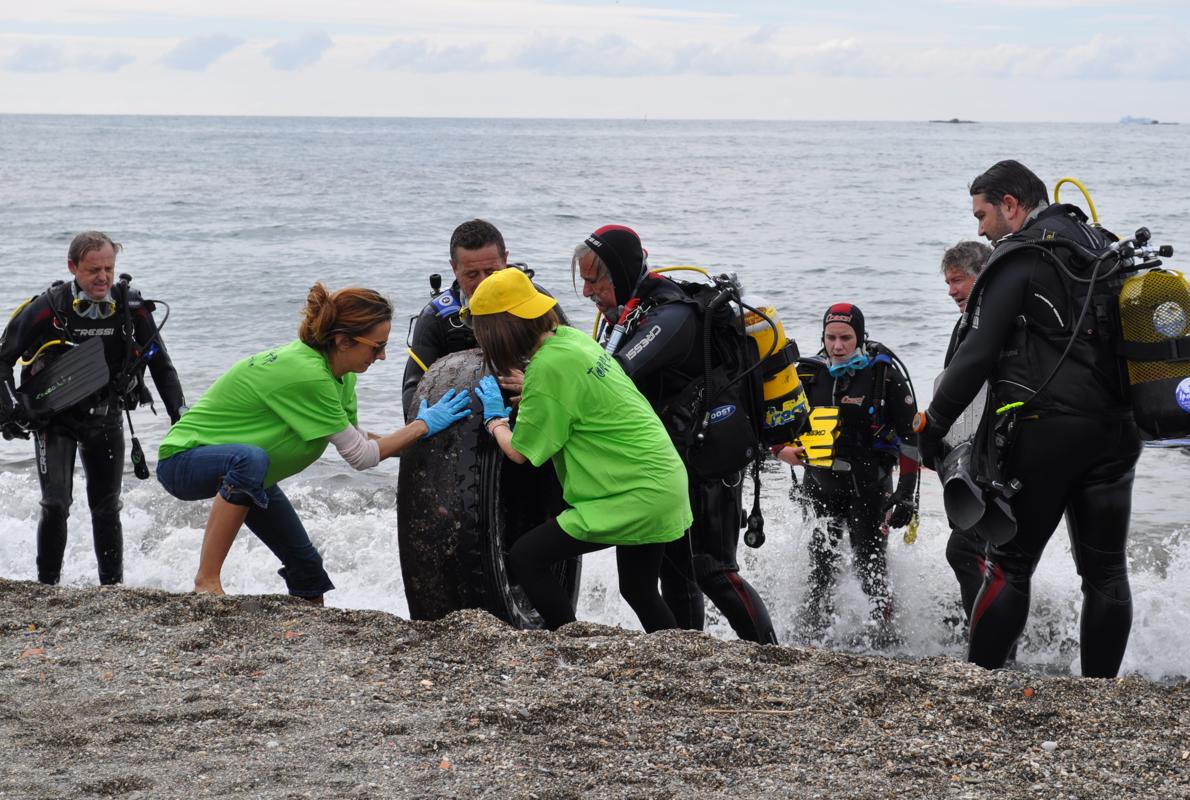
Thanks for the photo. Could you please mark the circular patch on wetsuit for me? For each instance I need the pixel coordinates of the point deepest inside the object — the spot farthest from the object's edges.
(1183, 394)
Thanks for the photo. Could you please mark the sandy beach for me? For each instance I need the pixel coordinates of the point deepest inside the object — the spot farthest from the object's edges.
(145, 694)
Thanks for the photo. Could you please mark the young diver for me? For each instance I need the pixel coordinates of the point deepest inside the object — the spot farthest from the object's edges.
(876, 407)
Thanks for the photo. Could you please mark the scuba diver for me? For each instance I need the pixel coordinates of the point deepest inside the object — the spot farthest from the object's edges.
(864, 380)
(43, 334)
(1058, 436)
(662, 350)
(476, 251)
(961, 265)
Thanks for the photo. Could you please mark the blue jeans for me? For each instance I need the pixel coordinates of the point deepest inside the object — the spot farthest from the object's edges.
(236, 472)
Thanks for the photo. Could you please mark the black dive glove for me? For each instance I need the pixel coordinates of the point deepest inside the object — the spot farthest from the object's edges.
(21, 419)
(901, 504)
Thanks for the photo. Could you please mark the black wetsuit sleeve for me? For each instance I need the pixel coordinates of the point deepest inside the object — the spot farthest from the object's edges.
(161, 366)
(428, 344)
(21, 332)
(994, 318)
(662, 340)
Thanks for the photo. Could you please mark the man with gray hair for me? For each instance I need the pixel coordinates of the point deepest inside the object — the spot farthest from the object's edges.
(94, 305)
(961, 266)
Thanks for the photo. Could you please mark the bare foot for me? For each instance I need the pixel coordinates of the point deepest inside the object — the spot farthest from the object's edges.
(207, 586)
(314, 601)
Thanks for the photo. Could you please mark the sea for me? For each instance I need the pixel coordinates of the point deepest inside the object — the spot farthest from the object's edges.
(229, 220)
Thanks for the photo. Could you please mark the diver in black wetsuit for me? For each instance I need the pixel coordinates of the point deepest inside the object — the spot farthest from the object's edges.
(476, 251)
(91, 305)
(662, 354)
(876, 408)
(1070, 440)
(961, 265)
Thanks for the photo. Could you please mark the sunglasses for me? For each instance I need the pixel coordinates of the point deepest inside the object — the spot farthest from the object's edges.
(377, 347)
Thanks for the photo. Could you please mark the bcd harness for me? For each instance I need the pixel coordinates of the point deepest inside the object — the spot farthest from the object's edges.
(717, 421)
(127, 387)
(1113, 326)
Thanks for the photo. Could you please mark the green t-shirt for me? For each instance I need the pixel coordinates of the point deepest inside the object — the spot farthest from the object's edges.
(619, 470)
(285, 401)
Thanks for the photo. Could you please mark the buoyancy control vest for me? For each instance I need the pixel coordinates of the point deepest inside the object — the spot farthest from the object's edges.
(1102, 312)
(867, 433)
(1059, 356)
(716, 418)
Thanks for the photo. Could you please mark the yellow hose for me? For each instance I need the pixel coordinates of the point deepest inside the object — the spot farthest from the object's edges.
(26, 362)
(1086, 196)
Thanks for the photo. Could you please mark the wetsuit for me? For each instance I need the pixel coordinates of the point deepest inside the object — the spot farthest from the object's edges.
(93, 428)
(870, 442)
(964, 550)
(662, 355)
(1073, 447)
(440, 331)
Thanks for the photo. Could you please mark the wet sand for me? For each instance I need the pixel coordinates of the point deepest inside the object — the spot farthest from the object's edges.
(143, 694)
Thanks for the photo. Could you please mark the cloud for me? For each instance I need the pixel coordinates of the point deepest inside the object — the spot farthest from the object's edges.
(199, 52)
(840, 59)
(417, 55)
(36, 58)
(301, 52)
(105, 62)
(611, 55)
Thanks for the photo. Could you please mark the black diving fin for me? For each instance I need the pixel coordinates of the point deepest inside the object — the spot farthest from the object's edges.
(68, 380)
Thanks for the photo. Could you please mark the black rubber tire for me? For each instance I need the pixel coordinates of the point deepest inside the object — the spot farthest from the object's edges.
(461, 504)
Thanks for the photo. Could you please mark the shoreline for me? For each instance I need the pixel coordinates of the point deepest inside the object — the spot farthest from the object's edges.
(141, 693)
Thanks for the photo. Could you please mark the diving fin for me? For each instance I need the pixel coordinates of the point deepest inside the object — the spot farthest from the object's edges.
(73, 377)
(819, 440)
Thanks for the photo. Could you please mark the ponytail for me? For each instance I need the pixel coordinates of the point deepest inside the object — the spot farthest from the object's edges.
(350, 311)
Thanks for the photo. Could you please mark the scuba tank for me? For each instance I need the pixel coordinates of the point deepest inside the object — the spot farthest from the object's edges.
(1155, 328)
(786, 409)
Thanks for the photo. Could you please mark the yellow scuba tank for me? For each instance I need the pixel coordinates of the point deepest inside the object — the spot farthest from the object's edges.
(1155, 321)
(786, 409)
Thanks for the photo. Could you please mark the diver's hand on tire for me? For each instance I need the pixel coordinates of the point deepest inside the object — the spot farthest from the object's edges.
(450, 408)
(493, 402)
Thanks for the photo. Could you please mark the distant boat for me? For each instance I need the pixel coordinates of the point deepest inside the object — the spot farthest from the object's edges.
(955, 121)
(1127, 120)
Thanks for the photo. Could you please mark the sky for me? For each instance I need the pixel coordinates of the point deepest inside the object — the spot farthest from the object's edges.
(1001, 60)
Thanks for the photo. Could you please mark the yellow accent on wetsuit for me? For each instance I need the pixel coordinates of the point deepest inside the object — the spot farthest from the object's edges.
(417, 360)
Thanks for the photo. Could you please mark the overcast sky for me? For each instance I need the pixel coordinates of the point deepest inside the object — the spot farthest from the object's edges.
(1034, 60)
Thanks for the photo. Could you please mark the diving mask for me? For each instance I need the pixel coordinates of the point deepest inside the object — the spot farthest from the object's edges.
(90, 308)
(858, 361)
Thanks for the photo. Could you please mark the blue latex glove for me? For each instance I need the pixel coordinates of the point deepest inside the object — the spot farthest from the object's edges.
(493, 402)
(450, 408)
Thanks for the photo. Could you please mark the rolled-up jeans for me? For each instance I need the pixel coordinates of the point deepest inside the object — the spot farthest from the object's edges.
(236, 472)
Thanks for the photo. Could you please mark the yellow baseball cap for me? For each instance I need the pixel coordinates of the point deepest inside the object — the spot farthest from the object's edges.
(509, 290)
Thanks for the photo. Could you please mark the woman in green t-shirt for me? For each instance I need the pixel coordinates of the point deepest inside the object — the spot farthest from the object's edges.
(621, 476)
(272, 415)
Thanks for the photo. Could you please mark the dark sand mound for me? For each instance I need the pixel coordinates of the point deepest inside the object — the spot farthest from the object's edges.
(131, 693)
